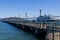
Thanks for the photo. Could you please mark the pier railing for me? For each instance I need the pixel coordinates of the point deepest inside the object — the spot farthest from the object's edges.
(53, 30)
(28, 23)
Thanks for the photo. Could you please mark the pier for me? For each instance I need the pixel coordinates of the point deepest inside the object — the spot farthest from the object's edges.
(47, 31)
(32, 27)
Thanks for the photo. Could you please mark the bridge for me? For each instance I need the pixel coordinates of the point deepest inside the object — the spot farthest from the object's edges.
(47, 31)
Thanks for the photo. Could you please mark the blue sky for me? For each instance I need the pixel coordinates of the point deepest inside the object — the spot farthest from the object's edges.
(11, 8)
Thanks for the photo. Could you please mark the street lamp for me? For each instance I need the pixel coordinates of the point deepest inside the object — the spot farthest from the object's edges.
(40, 18)
(19, 18)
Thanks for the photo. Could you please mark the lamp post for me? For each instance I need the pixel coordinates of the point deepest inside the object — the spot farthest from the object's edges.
(26, 16)
(40, 18)
(19, 18)
(34, 20)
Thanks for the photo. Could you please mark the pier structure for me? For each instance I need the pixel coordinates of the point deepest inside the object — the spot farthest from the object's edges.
(39, 29)
(47, 31)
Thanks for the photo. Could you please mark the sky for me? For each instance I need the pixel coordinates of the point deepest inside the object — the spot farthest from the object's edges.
(12, 8)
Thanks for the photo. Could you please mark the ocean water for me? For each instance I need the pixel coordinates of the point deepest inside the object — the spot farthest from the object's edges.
(9, 32)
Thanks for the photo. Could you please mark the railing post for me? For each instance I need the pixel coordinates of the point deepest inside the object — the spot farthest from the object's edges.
(53, 31)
